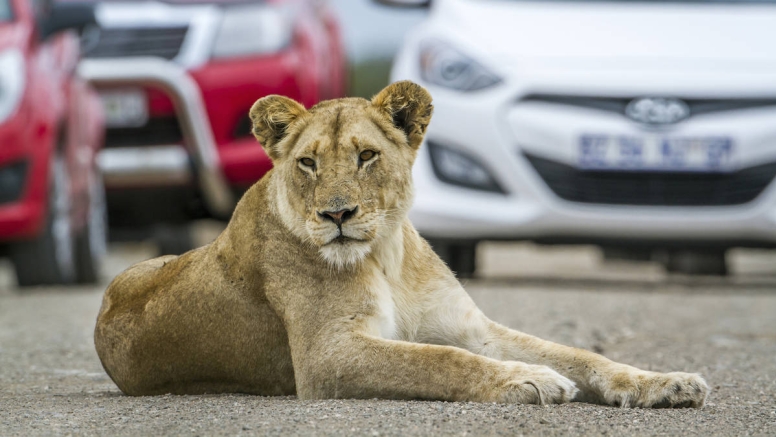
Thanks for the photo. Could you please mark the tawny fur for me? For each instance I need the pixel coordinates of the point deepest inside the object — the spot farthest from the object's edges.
(279, 305)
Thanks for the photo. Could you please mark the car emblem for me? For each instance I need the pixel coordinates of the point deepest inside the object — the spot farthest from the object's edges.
(657, 110)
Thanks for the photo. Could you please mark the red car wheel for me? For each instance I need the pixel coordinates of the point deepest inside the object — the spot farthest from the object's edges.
(49, 259)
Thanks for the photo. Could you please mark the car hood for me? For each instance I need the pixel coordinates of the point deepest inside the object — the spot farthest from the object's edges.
(638, 34)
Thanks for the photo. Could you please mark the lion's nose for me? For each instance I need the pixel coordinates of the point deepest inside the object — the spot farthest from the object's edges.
(338, 217)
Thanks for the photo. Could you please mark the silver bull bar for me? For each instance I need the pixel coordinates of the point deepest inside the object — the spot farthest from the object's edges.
(189, 108)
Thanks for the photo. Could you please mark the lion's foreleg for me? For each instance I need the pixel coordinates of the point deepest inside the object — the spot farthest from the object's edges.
(354, 365)
(455, 320)
(598, 378)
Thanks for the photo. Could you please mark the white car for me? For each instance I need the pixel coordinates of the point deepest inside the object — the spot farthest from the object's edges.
(643, 127)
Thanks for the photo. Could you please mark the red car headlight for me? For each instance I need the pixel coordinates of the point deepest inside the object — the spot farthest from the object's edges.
(252, 30)
(11, 82)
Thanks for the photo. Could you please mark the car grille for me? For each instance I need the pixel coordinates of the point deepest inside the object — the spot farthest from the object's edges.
(649, 188)
(157, 131)
(164, 42)
(243, 128)
(618, 104)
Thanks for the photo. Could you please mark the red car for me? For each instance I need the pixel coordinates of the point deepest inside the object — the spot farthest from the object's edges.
(52, 205)
(177, 80)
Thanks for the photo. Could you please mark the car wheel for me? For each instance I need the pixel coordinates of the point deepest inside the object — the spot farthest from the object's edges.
(91, 245)
(459, 256)
(49, 259)
(697, 262)
(174, 240)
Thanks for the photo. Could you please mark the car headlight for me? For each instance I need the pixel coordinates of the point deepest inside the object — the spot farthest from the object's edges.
(458, 168)
(252, 30)
(11, 82)
(445, 66)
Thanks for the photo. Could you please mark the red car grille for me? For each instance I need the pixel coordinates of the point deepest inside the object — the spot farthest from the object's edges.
(164, 42)
(157, 131)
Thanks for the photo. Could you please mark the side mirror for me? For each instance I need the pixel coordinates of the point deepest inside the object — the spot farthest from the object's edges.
(406, 3)
(66, 16)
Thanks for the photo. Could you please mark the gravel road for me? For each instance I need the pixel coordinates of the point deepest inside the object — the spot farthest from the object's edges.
(51, 382)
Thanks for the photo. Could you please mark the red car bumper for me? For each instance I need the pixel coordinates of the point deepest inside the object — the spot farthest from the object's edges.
(229, 89)
(203, 113)
(24, 161)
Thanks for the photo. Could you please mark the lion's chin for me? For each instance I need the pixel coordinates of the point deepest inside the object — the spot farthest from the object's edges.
(345, 252)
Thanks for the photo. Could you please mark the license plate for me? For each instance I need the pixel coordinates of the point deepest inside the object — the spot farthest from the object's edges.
(655, 153)
(125, 108)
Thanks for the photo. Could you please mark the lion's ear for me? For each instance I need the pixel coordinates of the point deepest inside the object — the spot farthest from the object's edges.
(271, 117)
(408, 106)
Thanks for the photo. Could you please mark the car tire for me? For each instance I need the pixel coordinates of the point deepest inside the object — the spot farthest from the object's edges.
(460, 256)
(91, 245)
(50, 258)
(697, 262)
(174, 240)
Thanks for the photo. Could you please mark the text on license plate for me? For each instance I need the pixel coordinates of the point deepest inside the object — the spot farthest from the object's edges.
(124, 107)
(611, 152)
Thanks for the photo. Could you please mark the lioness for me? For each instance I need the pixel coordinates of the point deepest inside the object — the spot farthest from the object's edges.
(320, 287)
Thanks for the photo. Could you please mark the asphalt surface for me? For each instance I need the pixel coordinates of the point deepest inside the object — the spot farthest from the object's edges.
(51, 382)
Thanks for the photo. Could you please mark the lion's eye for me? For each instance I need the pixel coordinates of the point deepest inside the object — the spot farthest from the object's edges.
(307, 162)
(366, 155)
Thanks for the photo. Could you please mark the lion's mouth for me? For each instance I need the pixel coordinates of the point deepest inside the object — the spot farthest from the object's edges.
(343, 239)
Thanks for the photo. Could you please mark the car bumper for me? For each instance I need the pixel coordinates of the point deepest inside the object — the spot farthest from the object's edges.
(499, 133)
(129, 166)
(145, 166)
(24, 159)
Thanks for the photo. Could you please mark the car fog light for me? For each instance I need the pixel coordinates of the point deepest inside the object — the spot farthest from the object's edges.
(458, 168)
(12, 181)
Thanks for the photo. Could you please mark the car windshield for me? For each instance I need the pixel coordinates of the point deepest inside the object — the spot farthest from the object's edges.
(5, 10)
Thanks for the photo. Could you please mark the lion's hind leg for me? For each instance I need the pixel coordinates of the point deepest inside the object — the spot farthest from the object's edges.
(119, 321)
(164, 327)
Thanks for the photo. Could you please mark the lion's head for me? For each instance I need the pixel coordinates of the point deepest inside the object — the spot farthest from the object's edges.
(343, 168)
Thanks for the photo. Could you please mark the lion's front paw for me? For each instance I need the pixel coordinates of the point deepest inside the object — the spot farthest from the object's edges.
(656, 390)
(538, 385)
